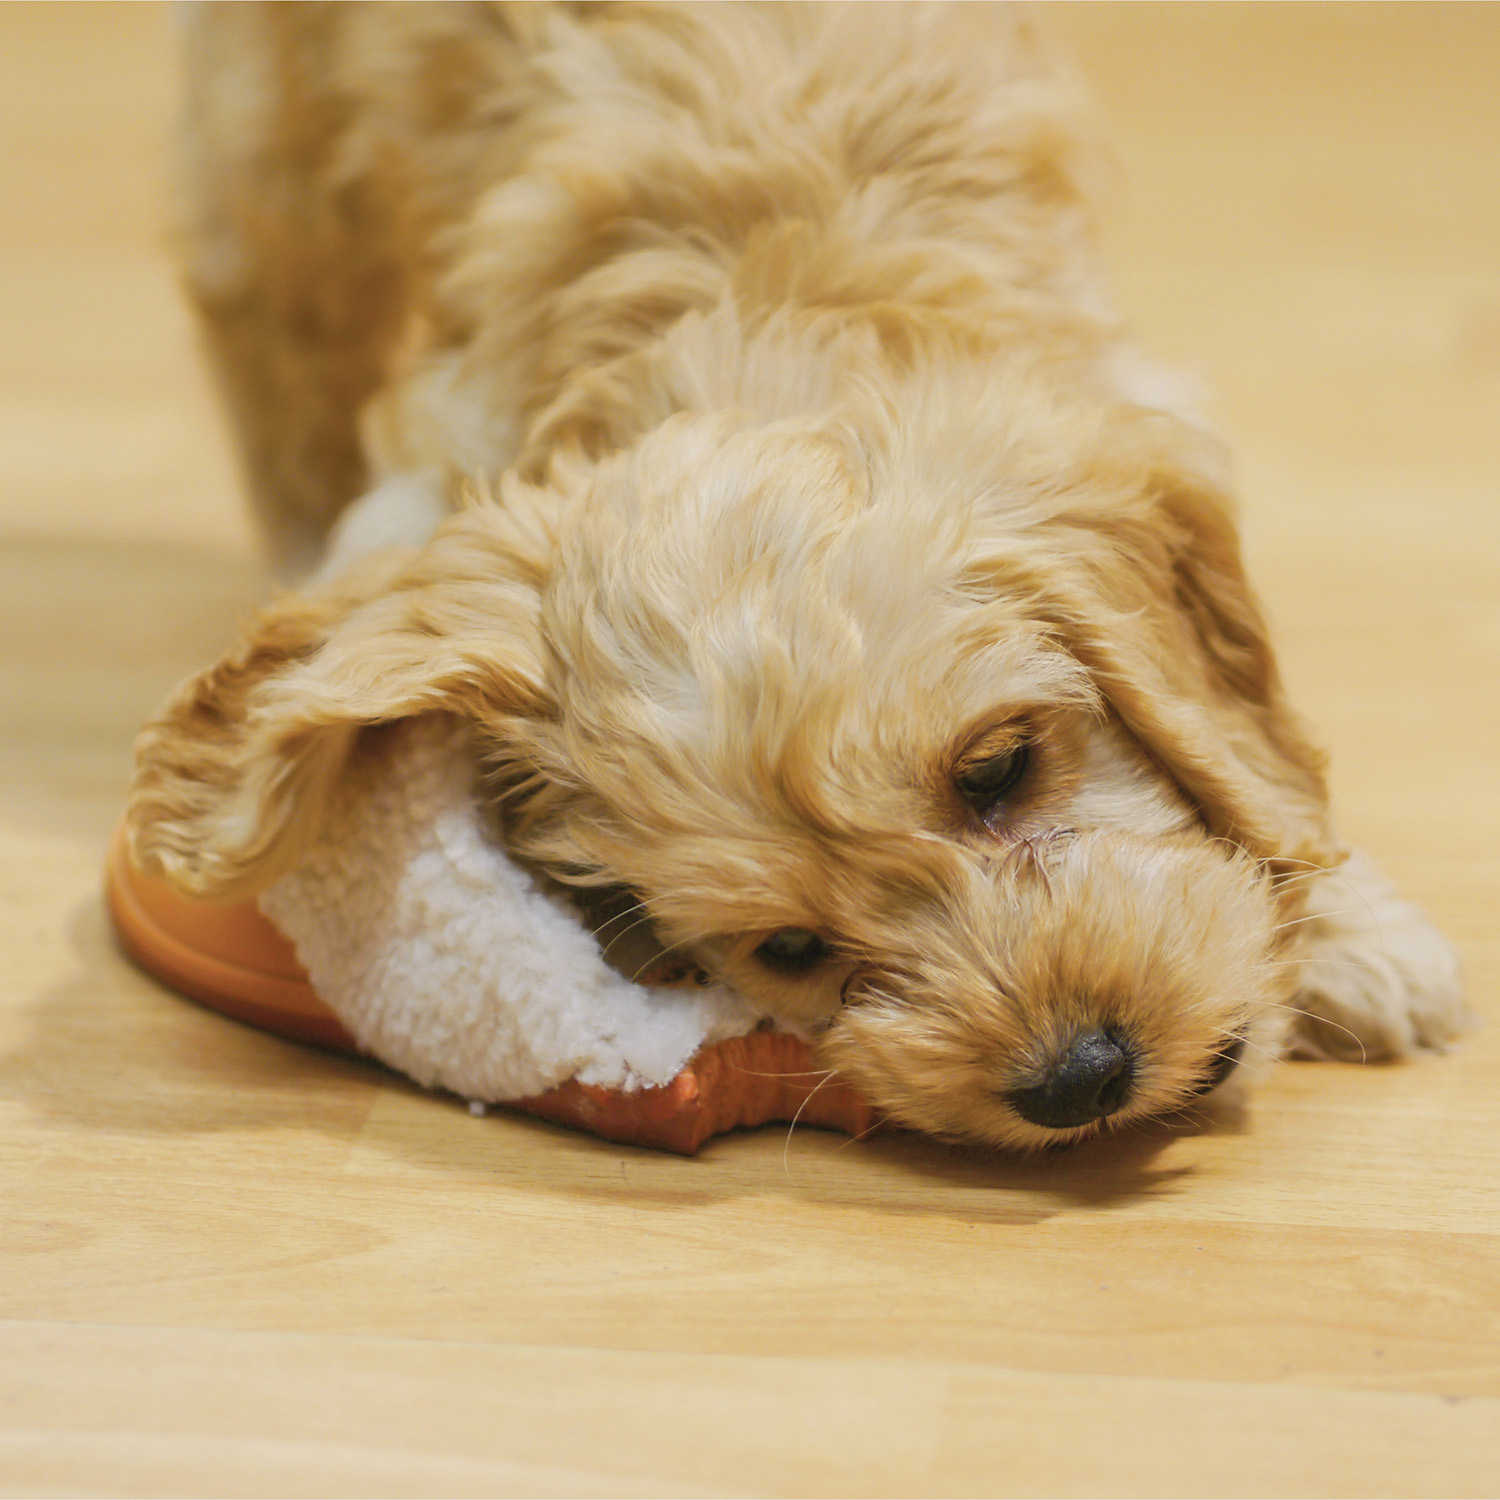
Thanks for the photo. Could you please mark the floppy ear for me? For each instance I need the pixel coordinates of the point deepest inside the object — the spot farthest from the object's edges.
(233, 772)
(1152, 597)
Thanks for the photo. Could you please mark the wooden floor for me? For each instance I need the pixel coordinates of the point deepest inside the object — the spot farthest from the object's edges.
(228, 1266)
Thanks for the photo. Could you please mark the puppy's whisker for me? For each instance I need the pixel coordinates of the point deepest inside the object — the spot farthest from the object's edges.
(1352, 887)
(824, 1073)
(1281, 883)
(619, 937)
(1190, 1112)
(1322, 958)
(667, 952)
(1312, 1015)
(1229, 1035)
(1311, 866)
(1229, 844)
(1317, 916)
(786, 1150)
(1310, 871)
(864, 1135)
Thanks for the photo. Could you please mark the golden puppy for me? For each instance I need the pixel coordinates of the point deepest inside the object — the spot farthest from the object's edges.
(818, 570)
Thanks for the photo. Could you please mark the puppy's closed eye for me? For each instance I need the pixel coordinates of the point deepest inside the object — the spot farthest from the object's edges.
(986, 784)
(793, 950)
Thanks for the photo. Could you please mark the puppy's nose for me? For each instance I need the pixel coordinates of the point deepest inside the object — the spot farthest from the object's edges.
(1093, 1078)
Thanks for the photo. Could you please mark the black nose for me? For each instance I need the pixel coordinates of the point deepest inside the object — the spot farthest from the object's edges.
(1091, 1079)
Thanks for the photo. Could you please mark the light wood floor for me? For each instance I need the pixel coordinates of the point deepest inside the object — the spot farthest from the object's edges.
(230, 1266)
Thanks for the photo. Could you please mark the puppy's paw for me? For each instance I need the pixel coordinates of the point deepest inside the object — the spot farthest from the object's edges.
(1377, 979)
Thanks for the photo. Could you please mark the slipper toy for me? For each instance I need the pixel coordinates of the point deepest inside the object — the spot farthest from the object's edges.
(407, 933)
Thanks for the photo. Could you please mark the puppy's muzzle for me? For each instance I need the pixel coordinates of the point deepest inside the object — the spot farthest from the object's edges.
(1092, 1078)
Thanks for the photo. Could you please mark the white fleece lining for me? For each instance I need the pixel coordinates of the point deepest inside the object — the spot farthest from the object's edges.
(446, 959)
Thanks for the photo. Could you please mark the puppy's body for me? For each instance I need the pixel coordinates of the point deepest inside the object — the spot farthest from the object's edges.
(834, 597)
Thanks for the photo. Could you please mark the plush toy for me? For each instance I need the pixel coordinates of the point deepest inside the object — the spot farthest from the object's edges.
(408, 934)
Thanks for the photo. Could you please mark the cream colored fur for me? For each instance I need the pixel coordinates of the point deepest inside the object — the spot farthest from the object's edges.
(759, 351)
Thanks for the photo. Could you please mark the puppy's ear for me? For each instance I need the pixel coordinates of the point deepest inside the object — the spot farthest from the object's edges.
(234, 770)
(1153, 599)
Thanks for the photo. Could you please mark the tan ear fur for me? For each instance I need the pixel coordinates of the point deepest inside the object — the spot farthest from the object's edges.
(1151, 595)
(1214, 600)
(232, 772)
(1231, 757)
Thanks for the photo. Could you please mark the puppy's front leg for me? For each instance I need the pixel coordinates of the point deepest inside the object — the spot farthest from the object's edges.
(1376, 978)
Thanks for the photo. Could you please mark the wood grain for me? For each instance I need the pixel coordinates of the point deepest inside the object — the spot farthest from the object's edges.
(232, 1266)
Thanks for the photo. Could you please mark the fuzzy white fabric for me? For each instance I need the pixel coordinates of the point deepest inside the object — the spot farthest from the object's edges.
(448, 961)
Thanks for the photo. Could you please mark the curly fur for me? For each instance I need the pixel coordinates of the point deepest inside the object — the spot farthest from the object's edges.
(760, 352)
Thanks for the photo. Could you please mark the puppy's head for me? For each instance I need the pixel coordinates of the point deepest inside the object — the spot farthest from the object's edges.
(964, 751)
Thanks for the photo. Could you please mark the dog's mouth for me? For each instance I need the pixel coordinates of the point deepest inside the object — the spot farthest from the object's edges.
(1225, 1061)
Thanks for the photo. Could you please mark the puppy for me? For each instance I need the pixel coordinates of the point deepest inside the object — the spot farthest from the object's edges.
(815, 567)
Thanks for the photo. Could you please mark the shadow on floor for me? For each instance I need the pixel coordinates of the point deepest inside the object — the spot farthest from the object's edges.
(110, 1051)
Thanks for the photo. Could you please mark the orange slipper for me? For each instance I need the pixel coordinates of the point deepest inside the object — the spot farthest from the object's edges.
(234, 960)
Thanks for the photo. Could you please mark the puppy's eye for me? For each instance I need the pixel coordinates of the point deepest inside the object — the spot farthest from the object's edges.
(992, 781)
(793, 950)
